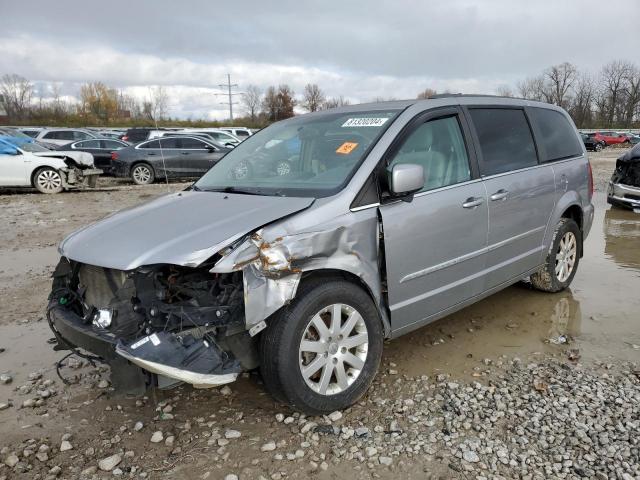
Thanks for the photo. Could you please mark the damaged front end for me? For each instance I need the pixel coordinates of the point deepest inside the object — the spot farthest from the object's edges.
(624, 186)
(156, 325)
(78, 176)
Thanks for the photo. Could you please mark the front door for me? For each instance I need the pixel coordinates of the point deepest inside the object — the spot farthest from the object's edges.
(12, 169)
(521, 193)
(435, 245)
(198, 158)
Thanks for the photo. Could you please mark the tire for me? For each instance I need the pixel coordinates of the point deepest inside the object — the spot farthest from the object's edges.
(598, 147)
(143, 174)
(282, 361)
(48, 180)
(566, 244)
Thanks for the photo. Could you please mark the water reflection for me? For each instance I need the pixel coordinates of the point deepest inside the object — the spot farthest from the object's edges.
(566, 319)
(622, 237)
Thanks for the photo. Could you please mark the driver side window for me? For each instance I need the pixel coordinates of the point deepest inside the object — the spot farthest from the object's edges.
(439, 147)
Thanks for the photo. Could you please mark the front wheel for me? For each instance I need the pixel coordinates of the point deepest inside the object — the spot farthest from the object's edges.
(322, 352)
(562, 260)
(598, 147)
(48, 180)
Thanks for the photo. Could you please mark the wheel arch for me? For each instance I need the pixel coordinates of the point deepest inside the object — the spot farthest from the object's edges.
(569, 206)
(331, 273)
(38, 168)
(145, 162)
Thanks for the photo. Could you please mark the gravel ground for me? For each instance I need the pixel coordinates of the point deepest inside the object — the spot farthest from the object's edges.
(541, 411)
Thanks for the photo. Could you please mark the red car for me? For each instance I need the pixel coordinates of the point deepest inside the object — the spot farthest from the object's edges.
(611, 138)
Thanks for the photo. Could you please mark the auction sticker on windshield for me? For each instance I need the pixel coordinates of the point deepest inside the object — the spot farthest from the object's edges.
(365, 122)
(346, 148)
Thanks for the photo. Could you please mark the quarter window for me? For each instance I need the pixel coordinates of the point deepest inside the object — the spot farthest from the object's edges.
(558, 138)
(88, 144)
(438, 146)
(505, 140)
(169, 143)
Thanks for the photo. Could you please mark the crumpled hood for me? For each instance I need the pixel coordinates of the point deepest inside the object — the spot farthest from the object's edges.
(82, 158)
(184, 228)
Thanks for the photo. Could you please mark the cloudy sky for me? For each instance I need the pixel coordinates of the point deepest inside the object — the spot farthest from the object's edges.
(359, 49)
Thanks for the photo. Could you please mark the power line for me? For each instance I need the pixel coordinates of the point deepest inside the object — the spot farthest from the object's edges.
(229, 86)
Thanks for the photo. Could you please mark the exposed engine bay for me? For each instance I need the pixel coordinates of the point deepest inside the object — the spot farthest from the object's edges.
(624, 186)
(627, 172)
(180, 324)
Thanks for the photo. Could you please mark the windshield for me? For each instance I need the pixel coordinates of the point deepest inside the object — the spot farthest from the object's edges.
(24, 143)
(307, 156)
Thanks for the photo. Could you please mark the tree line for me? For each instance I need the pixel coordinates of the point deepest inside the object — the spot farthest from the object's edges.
(609, 98)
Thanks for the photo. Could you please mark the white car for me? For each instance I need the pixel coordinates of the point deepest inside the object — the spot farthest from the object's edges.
(240, 132)
(24, 163)
(220, 136)
(63, 136)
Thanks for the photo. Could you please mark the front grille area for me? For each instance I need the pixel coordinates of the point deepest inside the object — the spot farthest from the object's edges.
(101, 284)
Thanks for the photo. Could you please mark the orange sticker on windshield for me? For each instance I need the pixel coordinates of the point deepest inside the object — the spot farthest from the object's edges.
(346, 148)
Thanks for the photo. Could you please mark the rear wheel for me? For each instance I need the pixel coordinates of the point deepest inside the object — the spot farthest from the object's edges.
(322, 352)
(48, 180)
(598, 147)
(142, 174)
(562, 260)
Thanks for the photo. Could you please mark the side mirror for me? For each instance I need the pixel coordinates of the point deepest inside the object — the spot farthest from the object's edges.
(406, 178)
(211, 149)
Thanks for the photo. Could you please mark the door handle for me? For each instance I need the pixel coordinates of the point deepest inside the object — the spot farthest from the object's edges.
(151, 154)
(499, 195)
(472, 202)
(184, 153)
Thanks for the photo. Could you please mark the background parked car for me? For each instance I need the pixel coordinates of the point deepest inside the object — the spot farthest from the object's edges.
(23, 163)
(31, 132)
(140, 134)
(218, 136)
(610, 138)
(101, 149)
(116, 134)
(171, 157)
(241, 133)
(18, 133)
(590, 143)
(62, 136)
(634, 139)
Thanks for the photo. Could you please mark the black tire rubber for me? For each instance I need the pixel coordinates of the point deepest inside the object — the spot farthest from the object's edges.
(545, 279)
(598, 149)
(279, 346)
(152, 178)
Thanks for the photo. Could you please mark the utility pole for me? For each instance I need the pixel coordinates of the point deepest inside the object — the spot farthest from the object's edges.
(229, 86)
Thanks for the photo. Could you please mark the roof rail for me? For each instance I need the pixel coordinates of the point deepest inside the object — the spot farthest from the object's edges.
(449, 95)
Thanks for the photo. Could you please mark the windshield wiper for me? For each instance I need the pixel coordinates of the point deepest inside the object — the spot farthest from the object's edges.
(241, 191)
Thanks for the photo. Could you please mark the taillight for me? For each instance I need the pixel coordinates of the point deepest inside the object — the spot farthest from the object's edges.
(114, 156)
(590, 180)
(125, 138)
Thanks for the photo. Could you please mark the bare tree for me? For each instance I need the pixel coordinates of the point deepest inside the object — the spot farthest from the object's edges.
(613, 76)
(278, 104)
(632, 95)
(16, 93)
(251, 101)
(504, 91)
(584, 97)
(336, 102)
(159, 100)
(535, 88)
(426, 93)
(559, 79)
(313, 97)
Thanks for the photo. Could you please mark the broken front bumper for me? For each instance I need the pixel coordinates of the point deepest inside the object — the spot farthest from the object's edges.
(76, 178)
(194, 361)
(623, 195)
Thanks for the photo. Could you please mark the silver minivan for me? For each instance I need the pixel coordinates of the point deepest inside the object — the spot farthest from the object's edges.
(391, 216)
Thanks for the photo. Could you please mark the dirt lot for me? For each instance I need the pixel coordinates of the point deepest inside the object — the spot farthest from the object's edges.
(522, 384)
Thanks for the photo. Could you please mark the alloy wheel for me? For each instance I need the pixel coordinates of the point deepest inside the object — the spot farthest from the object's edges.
(333, 349)
(566, 256)
(49, 181)
(141, 174)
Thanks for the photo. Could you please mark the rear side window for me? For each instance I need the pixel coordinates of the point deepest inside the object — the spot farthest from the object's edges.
(192, 143)
(111, 144)
(169, 143)
(152, 144)
(88, 144)
(505, 140)
(558, 138)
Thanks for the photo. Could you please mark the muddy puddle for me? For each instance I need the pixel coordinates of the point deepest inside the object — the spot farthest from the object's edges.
(598, 318)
